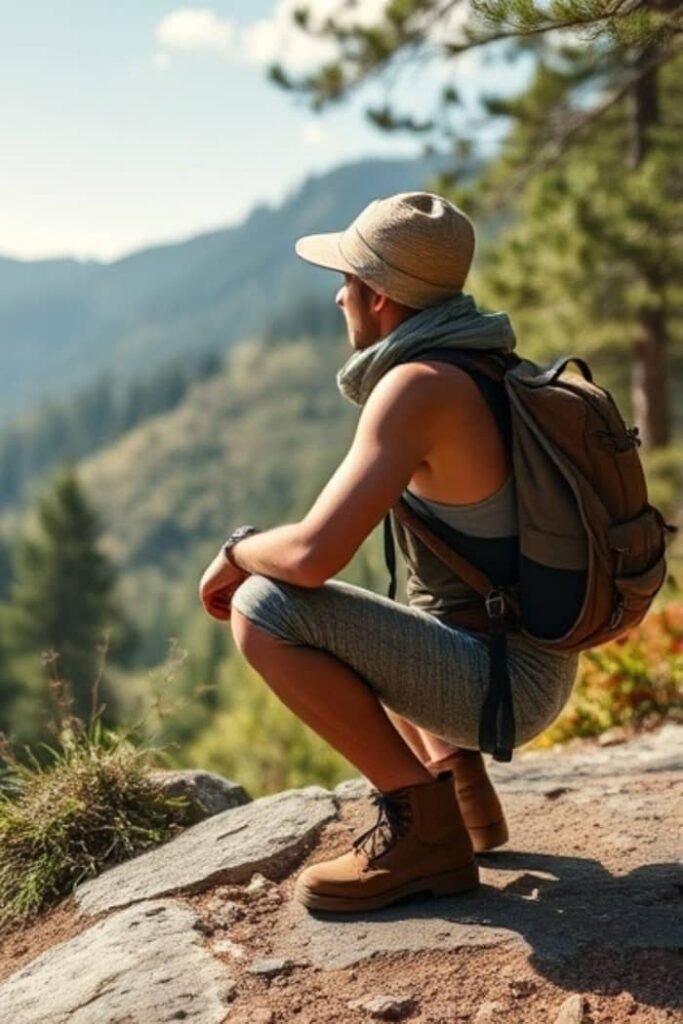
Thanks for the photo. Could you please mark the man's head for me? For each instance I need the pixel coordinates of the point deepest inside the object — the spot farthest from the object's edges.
(413, 249)
(369, 315)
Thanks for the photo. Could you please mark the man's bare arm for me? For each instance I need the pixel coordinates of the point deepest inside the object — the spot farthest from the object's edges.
(395, 433)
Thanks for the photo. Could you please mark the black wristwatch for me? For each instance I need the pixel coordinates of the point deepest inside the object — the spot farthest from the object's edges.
(237, 535)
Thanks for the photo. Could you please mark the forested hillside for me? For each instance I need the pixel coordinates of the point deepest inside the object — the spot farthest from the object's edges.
(64, 323)
(210, 402)
(73, 428)
(253, 443)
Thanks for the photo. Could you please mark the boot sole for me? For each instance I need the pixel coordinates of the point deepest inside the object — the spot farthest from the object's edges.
(488, 837)
(462, 879)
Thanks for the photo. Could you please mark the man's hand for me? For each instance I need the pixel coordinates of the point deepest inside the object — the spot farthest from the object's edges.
(217, 585)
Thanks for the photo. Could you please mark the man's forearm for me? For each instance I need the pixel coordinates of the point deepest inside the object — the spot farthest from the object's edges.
(281, 553)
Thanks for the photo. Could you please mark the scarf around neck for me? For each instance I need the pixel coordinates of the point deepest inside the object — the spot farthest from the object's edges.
(455, 324)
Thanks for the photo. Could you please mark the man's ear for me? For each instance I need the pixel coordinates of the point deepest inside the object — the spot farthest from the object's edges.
(378, 302)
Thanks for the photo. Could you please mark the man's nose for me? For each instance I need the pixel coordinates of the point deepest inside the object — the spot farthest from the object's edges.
(339, 297)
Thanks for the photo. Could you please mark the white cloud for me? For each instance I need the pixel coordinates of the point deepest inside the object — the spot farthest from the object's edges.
(449, 28)
(197, 28)
(313, 134)
(261, 41)
(278, 38)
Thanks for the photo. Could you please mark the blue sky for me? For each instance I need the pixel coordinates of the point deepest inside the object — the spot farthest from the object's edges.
(142, 121)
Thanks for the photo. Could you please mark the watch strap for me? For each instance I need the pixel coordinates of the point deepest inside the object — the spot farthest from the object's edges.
(235, 537)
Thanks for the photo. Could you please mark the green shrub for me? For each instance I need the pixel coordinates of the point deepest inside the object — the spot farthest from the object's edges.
(633, 681)
(90, 806)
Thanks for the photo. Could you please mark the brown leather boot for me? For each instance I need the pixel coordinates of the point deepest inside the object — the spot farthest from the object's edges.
(478, 801)
(418, 844)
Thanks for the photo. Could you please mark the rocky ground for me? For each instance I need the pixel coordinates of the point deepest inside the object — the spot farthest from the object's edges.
(578, 919)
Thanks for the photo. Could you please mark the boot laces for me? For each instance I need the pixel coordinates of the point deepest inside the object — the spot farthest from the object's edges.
(390, 825)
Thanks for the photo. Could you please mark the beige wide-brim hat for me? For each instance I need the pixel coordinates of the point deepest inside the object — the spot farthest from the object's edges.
(414, 247)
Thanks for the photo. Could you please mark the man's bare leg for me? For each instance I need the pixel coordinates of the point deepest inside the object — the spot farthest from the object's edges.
(334, 701)
(423, 743)
(410, 733)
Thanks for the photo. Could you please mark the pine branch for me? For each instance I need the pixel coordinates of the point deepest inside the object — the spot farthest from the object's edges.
(561, 144)
(527, 32)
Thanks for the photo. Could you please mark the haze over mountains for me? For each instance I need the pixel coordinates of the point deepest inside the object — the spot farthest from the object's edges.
(194, 445)
(63, 323)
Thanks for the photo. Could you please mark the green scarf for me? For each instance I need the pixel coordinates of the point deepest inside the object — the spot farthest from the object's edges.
(457, 323)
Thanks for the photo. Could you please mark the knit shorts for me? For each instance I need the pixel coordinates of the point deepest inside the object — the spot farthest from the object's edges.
(433, 674)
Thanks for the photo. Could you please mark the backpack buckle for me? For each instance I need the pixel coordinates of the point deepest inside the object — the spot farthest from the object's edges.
(617, 614)
(494, 602)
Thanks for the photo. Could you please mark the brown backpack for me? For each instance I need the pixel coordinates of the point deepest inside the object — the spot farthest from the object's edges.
(591, 547)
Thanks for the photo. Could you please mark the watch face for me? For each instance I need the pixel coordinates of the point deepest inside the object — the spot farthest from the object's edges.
(239, 533)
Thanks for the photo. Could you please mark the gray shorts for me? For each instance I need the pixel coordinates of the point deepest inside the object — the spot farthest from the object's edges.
(433, 674)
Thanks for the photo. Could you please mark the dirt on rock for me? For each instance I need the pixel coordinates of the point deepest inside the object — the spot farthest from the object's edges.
(581, 900)
(638, 986)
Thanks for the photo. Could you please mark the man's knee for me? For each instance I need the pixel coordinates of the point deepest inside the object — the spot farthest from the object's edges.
(241, 628)
(254, 644)
(260, 616)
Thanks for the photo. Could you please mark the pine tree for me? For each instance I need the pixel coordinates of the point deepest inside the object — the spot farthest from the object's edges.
(625, 40)
(593, 259)
(5, 568)
(63, 601)
(600, 56)
(9, 685)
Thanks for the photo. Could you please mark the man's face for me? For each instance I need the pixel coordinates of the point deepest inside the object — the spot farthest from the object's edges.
(353, 298)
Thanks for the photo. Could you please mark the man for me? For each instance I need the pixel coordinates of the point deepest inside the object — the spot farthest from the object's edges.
(395, 689)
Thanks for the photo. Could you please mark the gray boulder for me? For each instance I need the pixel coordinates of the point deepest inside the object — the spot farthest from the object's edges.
(144, 965)
(266, 835)
(206, 793)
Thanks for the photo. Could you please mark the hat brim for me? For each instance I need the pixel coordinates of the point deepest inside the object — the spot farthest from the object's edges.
(323, 251)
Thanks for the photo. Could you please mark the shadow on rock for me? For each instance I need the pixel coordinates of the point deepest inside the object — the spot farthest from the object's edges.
(583, 928)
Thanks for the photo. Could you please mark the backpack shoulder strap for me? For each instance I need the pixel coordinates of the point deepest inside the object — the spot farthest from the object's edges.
(493, 363)
(487, 370)
(497, 724)
(460, 566)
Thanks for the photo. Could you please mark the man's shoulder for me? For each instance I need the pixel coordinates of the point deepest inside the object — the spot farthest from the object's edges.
(422, 378)
(417, 397)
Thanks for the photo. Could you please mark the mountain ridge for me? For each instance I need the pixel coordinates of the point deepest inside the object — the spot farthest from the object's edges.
(64, 322)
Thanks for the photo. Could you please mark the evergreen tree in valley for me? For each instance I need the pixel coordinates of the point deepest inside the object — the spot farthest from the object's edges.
(5, 568)
(9, 686)
(63, 599)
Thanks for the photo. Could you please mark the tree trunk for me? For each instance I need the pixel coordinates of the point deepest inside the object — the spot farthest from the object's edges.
(650, 381)
(650, 372)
